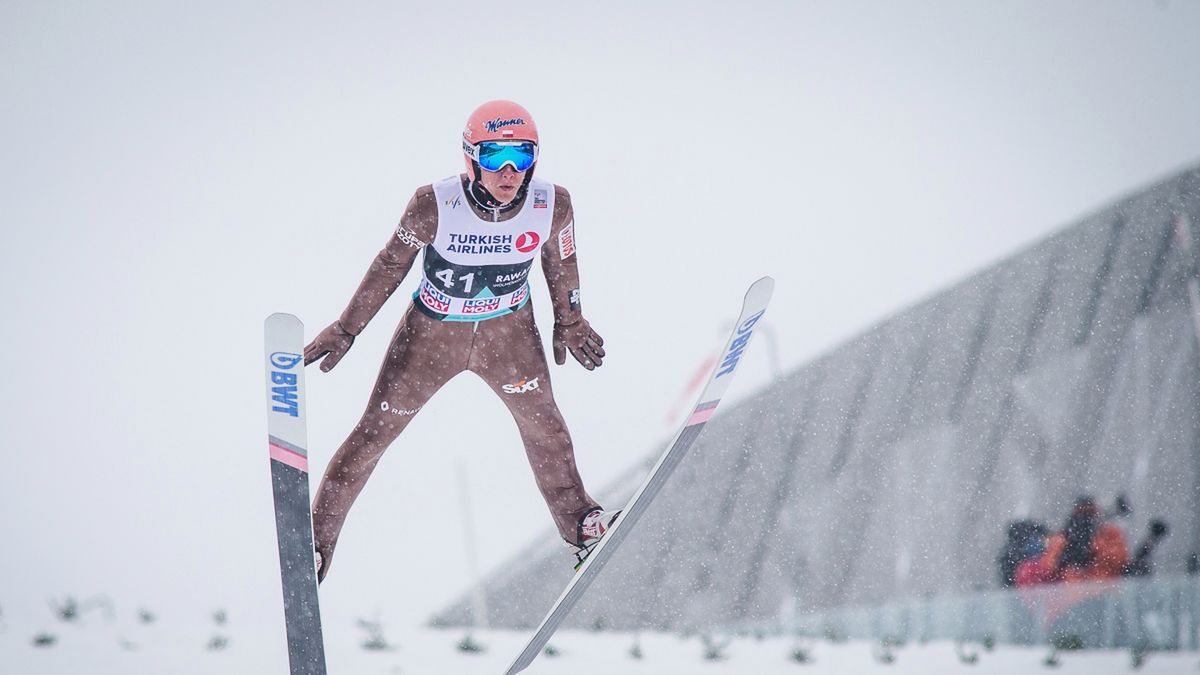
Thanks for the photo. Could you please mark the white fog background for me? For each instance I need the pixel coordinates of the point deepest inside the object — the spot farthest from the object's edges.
(173, 172)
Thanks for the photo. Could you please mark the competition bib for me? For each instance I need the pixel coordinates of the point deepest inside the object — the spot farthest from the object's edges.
(475, 269)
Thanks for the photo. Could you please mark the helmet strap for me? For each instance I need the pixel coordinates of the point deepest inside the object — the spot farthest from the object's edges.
(486, 200)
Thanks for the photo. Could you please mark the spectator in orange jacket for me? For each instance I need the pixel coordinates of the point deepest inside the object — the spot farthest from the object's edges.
(1089, 547)
(1033, 570)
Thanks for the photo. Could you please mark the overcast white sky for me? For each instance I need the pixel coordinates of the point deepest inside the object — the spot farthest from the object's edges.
(173, 172)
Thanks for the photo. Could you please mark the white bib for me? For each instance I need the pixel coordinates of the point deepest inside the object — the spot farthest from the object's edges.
(476, 269)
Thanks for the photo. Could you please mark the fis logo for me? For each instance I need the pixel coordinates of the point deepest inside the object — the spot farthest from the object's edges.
(285, 391)
(744, 331)
(454, 203)
(521, 387)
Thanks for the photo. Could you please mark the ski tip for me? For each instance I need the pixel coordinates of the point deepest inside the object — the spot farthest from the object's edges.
(763, 288)
(283, 318)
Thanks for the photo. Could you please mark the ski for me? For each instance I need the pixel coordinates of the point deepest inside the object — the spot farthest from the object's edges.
(753, 308)
(288, 442)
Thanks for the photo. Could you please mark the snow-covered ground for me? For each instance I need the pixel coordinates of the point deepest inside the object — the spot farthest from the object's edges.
(96, 646)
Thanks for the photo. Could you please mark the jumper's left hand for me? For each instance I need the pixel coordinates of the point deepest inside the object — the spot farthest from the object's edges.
(584, 343)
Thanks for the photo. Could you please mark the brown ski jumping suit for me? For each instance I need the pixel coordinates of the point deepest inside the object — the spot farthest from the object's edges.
(472, 313)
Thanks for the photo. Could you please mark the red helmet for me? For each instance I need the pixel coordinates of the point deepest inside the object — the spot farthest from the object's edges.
(497, 121)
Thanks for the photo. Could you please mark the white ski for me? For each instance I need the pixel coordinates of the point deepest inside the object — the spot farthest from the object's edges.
(288, 443)
(753, 308)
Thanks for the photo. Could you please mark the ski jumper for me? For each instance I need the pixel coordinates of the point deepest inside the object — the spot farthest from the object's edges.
(471, 312)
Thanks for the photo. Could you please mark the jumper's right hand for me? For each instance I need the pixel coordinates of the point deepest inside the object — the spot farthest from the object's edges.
(332, 343)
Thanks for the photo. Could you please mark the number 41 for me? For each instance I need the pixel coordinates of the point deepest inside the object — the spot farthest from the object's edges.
(447, 278)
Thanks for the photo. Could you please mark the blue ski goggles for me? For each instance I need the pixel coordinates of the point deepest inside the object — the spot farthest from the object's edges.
(493, 155)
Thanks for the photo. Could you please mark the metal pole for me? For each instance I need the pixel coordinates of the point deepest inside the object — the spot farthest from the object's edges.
(1183, 234)
(768, 333)
(479, 598)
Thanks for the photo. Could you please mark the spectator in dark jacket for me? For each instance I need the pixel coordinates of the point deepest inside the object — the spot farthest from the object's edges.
(1141, 565)
(1025, 538)
(1089, 547)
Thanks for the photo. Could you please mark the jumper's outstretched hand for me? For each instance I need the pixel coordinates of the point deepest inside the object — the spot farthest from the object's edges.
(332, 343)
(584, 343)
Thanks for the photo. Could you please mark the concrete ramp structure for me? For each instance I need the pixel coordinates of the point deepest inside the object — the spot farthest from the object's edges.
(890, 467)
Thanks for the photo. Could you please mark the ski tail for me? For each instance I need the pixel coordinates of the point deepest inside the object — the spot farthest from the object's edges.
(753, 308)
(287, 443)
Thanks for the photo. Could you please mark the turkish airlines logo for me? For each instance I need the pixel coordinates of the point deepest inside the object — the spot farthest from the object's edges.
(528, 242)
(521, 387)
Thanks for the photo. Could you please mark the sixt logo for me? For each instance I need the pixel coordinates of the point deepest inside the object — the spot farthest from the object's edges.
(286, 390)
(521, 387)
(499, 123)
(738, 345)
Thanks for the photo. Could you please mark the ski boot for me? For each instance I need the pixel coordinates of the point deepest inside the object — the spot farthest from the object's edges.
(592, 527)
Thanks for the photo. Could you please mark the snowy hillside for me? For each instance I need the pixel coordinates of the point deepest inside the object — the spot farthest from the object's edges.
(130, 648)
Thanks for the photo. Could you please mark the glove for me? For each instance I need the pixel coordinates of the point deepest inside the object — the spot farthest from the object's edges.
(332, 343)
(586, 346)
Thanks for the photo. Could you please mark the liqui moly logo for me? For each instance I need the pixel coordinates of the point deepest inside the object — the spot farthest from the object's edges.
(518, 295)
(499, 123)
(481, 305)
(742, 337)
(285, 389)
(433, 298)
